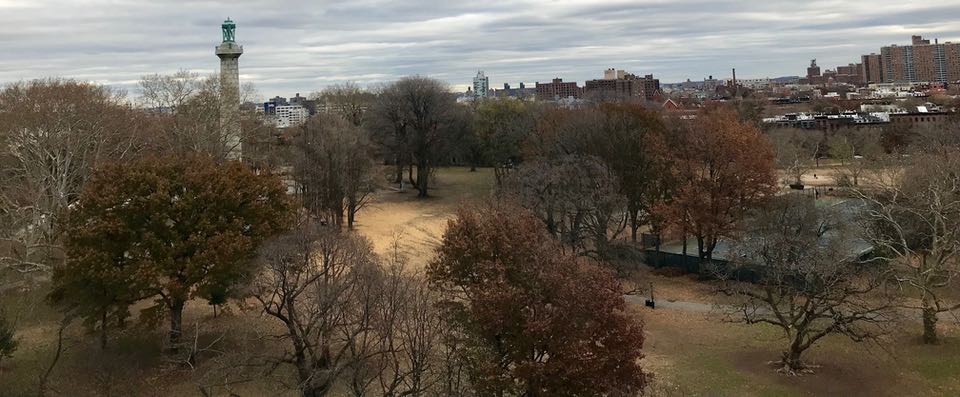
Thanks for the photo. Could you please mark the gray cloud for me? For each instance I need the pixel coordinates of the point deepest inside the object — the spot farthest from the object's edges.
(302, 46)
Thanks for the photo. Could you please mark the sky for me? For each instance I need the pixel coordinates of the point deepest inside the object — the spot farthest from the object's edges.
(302, 46)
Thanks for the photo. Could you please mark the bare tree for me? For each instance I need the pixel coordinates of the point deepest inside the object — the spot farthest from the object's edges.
(333, 168)
(418, 122)
(500, 127)
(186, 113)
(792, 152)
(577, 197)
(389, 129)
(167, 93)
(312, 284)
(859, 151)
(53, 133)
(355, 323)
(811, 283)
(913, 220)
(938, 139)
(348, 100)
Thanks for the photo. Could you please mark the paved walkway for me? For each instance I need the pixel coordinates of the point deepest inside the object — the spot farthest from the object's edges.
(697, 307)
(674, 305)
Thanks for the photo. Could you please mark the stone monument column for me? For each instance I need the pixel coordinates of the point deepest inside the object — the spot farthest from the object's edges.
(229, 52)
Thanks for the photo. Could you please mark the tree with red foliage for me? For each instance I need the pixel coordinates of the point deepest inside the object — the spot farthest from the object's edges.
(725, 167)
(539, 322)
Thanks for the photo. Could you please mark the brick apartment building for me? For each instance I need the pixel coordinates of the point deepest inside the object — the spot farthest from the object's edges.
(921, 61)
(558, 89)
(622, 85)
(871, 69)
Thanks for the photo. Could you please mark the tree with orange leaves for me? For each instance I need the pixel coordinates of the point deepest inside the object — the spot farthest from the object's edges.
(724, 167)
(536, 321)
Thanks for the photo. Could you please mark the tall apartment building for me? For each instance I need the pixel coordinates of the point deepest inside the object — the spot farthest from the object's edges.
(871, 69)
(921, 61)
(951, 51)
(557, 89)
(481, 85)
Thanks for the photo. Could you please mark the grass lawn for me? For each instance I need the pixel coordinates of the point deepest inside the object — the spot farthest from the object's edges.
(698, 354)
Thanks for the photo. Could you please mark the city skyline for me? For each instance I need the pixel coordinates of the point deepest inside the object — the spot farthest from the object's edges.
(302, 47)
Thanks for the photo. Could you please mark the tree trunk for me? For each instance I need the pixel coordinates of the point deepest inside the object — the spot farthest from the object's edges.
(929, 323)
(351, 212)
(684, 245)
(634, 222)
(791, 358)
(701, 252)
(399, 178)
(423, 175)
(103, 331)
(310, 391)
(176, 325)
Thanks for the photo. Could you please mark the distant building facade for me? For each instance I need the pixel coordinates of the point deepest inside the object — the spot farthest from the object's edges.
(618, 84)
(558, 89)
(481, 85)
(755, 84)
(290, 115)
(813, 71)
(613, 74)
(871, 69)
(515, 92)
(921, 61)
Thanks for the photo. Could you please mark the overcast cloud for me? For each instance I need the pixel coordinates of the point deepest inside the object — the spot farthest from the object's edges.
(302, 46)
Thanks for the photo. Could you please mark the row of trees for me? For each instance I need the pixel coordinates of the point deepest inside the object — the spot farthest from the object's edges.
(503, 310)
(55, 132)
(592, 173)
(715, 180)
(511, 305)
(858, 151)
(814, 277)
(161, 219)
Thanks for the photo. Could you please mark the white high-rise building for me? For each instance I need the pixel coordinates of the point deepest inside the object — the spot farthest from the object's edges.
(481, 85)
(229, 52)
(290, 115)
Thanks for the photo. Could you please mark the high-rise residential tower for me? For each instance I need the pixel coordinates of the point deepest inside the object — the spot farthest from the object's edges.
(481, 85)
(871, 69)
(229, 52)
(921, 61)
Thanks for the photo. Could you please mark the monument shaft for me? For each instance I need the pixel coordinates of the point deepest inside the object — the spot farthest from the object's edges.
(229, 53)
